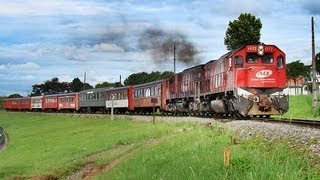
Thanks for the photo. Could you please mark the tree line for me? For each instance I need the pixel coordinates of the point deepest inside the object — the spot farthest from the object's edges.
(54, 86)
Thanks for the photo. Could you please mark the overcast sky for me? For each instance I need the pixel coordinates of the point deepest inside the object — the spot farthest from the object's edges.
(43, 39)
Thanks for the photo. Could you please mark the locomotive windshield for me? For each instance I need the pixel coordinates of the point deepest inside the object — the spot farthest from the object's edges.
(252, 58)
(239, 61)
(267, 58)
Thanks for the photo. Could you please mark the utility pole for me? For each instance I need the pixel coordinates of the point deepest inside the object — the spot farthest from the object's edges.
(314, 75)
(84, 80)
(174, 59)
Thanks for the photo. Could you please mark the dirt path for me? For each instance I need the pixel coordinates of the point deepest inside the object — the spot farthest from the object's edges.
(91, 170)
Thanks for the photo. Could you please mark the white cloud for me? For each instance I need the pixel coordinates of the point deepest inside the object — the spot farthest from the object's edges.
(108, 47)
(29, 66)
(57, 7)
(28, 77)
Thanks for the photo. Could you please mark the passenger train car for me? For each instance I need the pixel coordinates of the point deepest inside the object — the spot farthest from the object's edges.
(120, 99)
(245, 82)
(92, 100)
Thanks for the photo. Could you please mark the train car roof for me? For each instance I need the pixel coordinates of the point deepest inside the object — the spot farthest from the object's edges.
(117, 88)
(16, 98)
(95, 90)
(194, 67)
(67, 94)
(147, 84)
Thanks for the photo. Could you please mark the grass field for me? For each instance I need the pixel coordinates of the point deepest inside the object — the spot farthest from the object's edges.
(55, 145)
(301, 107)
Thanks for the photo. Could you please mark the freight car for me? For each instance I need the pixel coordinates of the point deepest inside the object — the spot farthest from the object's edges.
(247, 81)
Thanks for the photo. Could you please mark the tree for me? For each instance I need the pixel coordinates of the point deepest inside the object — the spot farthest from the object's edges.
(107, 84)
(76, 85)
(2, 101)
(52, 86)
(86, 86)
(143, 77)
(244, 30)
(16, 95)
(295, 70)
(318, 62)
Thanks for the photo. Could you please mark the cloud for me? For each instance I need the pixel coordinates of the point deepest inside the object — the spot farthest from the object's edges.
(235, 7)
(108, 47)
(29, 66)
(57, 7)
(312, 6)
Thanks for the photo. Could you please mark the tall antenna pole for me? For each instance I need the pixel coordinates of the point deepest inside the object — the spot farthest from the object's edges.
(314, 76)
(84, 80)
(174, 58)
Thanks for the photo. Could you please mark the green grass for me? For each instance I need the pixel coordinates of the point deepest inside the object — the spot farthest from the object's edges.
(301, 107)
(198, 154)
(59, 144)
(56, 144)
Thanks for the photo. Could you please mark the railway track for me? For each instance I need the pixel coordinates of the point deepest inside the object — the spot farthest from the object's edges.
(301, 122)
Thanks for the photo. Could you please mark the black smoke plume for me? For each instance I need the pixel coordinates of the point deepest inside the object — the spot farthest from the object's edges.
(161, 45)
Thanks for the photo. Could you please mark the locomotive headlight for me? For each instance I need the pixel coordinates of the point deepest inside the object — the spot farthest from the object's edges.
(256, 99)
(260, 50)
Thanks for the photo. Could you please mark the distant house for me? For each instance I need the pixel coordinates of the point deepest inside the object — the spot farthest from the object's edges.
(301, 85)
(296, 88)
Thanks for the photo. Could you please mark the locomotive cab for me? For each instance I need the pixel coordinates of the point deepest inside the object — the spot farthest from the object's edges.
(259, 79)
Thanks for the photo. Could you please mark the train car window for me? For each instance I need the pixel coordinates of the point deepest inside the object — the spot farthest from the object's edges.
(238, 60)
(252, 58)
(148, 92)
(267, 58)
(280, 62)
(152, 91)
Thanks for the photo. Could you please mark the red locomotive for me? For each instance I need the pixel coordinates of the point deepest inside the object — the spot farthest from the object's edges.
(245, 82)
